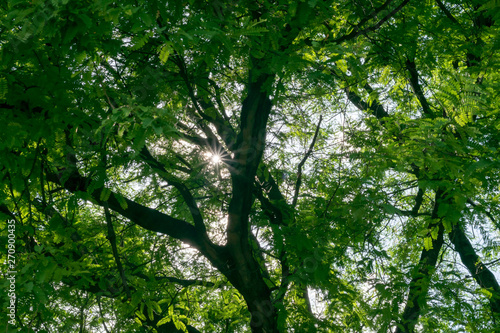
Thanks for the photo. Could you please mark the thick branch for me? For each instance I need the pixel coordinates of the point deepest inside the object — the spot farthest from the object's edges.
(182, 188)
(417, 89)
(447, 12)
(483, 276)
(143, 216)
(419, 284)
(375, 107)
(418, 201)
(274, 213)
(419, 198)
(271, 186)
(149, 219)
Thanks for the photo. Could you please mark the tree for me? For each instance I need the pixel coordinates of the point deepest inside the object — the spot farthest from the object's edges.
(271, 166)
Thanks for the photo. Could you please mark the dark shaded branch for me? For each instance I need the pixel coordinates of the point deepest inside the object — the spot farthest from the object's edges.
(222, 126)
(4, 209)
(375, 107)
(447, 12)
(357, 29)
(274, 213)
(303, 161)
(182, 188)
(271, 186)
(419, 198)
(483, 276)
(111, 236)
(285, 276)
(143, 216)
(419, 283)
(102, 315)
(417, 89)
(418, 201)
(147, 218)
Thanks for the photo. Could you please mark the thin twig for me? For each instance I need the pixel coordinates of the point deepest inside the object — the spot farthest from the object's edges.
(301, 164)
(112, 239)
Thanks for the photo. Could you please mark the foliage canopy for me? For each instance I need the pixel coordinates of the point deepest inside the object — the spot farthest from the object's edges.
(264, 166)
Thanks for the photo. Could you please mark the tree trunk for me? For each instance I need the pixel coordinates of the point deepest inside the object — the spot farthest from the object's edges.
(246, 276)
(264, 318)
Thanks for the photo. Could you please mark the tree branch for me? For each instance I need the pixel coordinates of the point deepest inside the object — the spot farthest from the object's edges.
(376, 109)
(182, 188)
(356, 31)
(419, 198)
(483, 276)
(447, 12)
(419, 283)
(143, 216)
(301, 164)
(112, 240)
(415, 86)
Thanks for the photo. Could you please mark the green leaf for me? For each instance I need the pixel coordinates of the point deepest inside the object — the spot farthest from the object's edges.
(165, 52)
(29, 286)
(390, 209)
(492, 4)
(139, 41)
(121, 200)
(156, 307)
(486, 292)
(163, 321)
(180, 325)
(140, 315)
(428, 243)
(150, 313)
(442, 209)
(447, 225)
(435, 232)
(342, 65)
(105, 193)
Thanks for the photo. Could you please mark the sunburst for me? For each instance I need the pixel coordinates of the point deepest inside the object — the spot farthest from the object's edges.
(215, 158)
